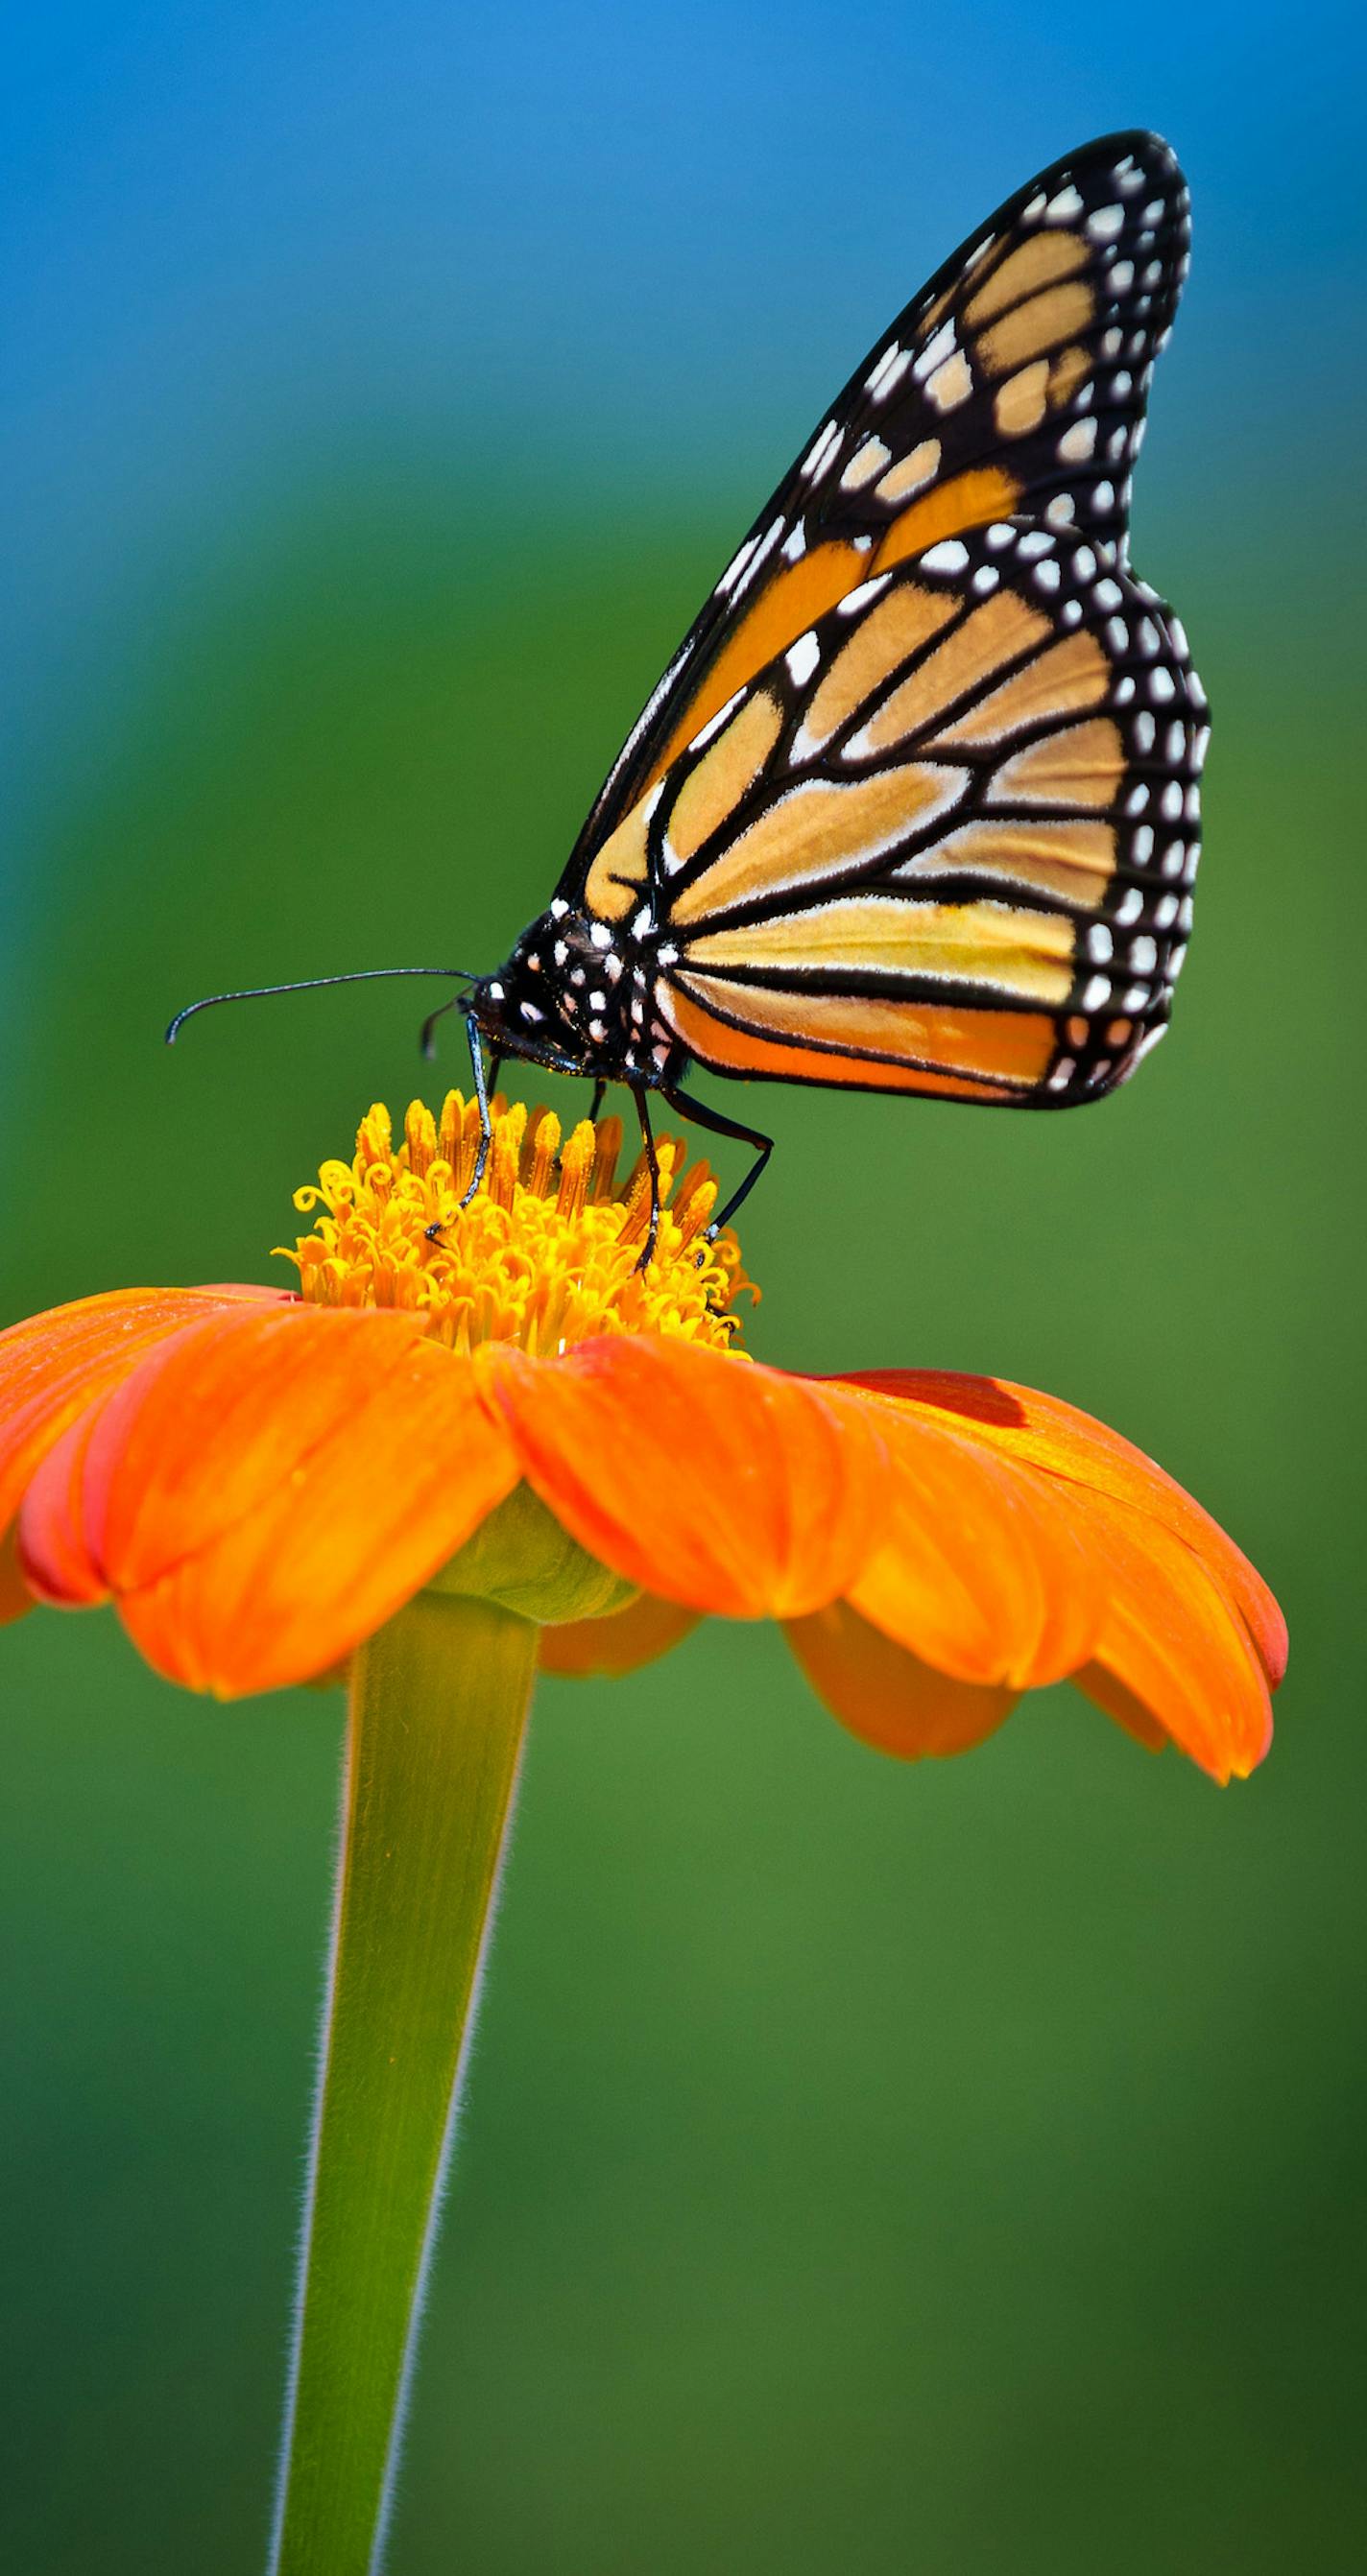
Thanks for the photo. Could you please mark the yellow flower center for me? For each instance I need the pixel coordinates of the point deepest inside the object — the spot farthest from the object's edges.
(546, 1252)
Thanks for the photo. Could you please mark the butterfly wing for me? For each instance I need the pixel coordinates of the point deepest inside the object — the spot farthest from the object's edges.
(945, 842)
(1014, 384)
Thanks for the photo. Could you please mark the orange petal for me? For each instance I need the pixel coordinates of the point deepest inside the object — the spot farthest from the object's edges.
(51, 1541)
(53, 1365)
(268, 1489)
(717, 1483)
(887, 1696)
(1176, 1647)
(640, 1634)
(230, 1410)
(984, 1568)
(1040, 1431)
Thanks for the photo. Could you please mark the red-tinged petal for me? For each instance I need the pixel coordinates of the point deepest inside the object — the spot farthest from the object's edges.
(50, 1531)
(1175, 1644)
(1040, 1431)
(15, 1597)
(53, 1365)
(267, 1490)
(621, 1643)
(890, 1698)
(984, 1568)
(719, 1484)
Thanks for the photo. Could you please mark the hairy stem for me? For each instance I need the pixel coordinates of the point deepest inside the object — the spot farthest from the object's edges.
(438, 1707)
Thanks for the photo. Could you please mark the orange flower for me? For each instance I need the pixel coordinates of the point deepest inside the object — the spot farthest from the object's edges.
(260, 1479)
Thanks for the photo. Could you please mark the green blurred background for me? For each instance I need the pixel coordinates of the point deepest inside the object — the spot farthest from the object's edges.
(865, 2168)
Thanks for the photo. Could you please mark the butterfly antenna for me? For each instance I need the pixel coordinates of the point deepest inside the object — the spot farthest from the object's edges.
(311, 984)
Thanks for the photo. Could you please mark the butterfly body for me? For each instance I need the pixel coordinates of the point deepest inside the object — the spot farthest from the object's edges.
(916, 805)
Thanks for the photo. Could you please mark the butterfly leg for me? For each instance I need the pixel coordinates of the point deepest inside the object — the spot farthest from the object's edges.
(596, 1103)
(426, 1045)
(486, 1132)
(702, 1116)
(653, 1167)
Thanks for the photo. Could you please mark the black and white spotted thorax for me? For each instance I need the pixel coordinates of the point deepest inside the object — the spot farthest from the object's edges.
(578, 994)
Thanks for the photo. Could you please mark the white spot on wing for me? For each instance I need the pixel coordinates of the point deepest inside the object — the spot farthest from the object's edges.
(1077, 442)
(936, 350)
(821, 451)
(856, 601)
(888, 373)
(737, 565)
(714, 723)
(802, 659)
(876, 381)
(949, 556)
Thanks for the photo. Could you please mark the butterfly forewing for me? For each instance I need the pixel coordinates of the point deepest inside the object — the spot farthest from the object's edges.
(944, 842)
(1014, 384)
(916, 805)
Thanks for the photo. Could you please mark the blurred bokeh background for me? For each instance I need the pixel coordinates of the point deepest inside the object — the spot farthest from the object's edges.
(866, 2168)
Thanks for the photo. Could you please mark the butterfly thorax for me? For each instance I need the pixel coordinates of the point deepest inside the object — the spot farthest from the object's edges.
(578, 993)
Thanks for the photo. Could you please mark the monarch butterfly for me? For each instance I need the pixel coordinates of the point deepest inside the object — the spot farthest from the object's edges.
(915, 805)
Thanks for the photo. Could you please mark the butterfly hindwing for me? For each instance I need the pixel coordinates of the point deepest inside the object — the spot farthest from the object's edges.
(1014, 385)
(944, 842)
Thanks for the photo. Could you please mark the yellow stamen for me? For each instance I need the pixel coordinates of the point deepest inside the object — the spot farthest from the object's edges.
(546, 1252)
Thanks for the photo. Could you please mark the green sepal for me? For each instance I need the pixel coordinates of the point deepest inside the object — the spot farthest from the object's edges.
(521, 1559)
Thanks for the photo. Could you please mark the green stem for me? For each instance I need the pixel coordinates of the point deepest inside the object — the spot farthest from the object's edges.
(438, 1706)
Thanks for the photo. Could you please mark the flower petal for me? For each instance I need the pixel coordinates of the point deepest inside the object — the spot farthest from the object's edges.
(890, 1698)
(1040, 1431)
(1177, 1647)
(984, 1568)
(715, 1482)
(53, 1365)
(621, 1643)
(51, 1544)
(267, 1489)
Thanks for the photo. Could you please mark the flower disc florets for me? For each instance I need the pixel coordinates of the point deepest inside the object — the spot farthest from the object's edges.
(546, 1252)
